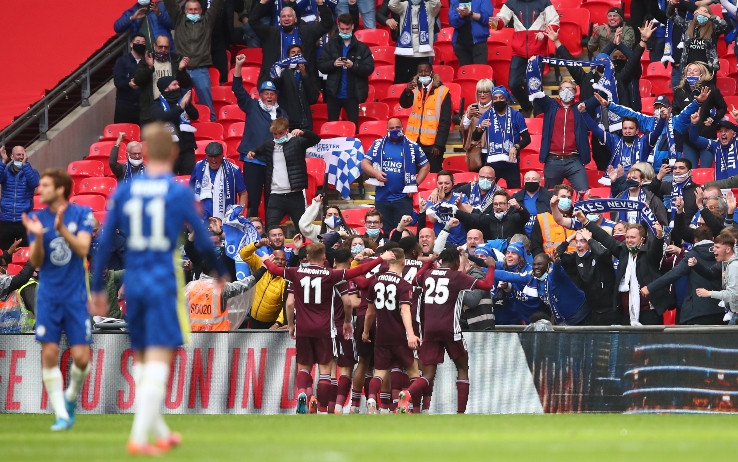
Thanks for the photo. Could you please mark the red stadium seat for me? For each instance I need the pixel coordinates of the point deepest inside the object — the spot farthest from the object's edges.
(14, 269)
(370, 131)
(660, 85)
(183, 179)
(465, 177)
(254, 57)
(446, 34)
(97, 185)
(101, 216)
(443, 16)
(392, 95)
(208, 130)
(316, 176)
(645, 88)
(354, 217)
(474, 73)
(111, 132)
(222, 96)
(558, 4)
(576, 15)
(501, 37)
(230, 114)
(535, 126)
(373, 111)
(499, 59)
(371, 94)
(456, 163)
(534, 147)
(37, 204)
(647, 104)
(445, 73)
(214, 76)
(235, 129)
(373, 37)
(570, 35)
(249, 77)
(337, 128)
(726, 85)
(203, 112)
(21, 256)
(101, 151)
(598, 9)
(703, 175)
(97, 202)
(602, 193)
(85, 168)
(468, 92)
(383, 55)
(428, 183)
(382, 78)
(445, 53)
(455, 90)
(530, 162)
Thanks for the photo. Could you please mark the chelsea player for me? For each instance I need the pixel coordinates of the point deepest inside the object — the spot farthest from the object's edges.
(60, 237)
(151, 211)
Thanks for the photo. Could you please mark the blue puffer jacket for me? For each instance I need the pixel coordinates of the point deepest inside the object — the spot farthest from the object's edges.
(480, 29)
(157, 25)
(17, 191)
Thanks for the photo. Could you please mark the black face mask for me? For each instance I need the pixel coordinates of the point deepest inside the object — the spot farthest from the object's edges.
(173, 95)
(619, 63)
(139, 48)
(631, 183)
(532, 186)
(499, 105)
(629, 138)
(288, 29)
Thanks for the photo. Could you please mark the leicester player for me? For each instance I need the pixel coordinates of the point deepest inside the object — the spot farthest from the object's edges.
(60, 237)
(151, 212)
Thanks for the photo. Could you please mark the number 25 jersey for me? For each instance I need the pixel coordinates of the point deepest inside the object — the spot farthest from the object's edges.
(442, 299)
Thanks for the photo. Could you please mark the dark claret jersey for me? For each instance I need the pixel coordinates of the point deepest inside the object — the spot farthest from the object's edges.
(442, 294)
(388, 292)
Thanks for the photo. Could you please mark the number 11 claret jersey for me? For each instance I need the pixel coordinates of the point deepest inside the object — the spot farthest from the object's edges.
(313, 289)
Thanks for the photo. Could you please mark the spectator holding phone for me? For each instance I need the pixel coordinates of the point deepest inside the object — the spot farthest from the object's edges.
(149, 18)
(470, 21)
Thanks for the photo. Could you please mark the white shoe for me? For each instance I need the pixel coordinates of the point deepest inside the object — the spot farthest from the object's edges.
(371, 406)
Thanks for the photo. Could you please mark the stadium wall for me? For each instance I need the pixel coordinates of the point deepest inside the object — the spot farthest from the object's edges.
(529, 372)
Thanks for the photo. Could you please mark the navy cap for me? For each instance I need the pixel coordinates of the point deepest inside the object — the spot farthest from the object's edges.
(662, 100)
(268, 85)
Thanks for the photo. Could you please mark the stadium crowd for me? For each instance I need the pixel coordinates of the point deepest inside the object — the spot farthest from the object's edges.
(604, 199)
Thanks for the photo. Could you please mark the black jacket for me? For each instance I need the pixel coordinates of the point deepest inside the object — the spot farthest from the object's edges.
(494, 228)
(692, 306)
(715, 100)
(144, 78)
(357, 76)
(661, 189)
(186, 139)
(592, 273)
(296, 99)
(543, 201)
(123, 71)
(647, 266)
(294, 154)
(271, 37)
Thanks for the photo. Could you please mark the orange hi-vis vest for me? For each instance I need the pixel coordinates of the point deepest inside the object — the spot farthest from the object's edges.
(553, 233)
(422, 125)
(205, 303)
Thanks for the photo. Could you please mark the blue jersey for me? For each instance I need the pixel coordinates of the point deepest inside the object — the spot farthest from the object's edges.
(151, 212)
(391, 159)
(63, 273)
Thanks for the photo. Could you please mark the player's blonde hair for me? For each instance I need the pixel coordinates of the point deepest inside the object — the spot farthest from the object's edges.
(159, 144)
(315, 251)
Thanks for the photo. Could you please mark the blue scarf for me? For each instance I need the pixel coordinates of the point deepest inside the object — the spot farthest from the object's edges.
(281, 65)
(287, 40)
(621, 205)
(239, 232)
(405, 42)
(725, 162)
(409, 156)
(606, 83)
(184, 120)
(128, 176)
(228, 187)
(475, 196)
(677, 190)
(500, 136)
(668, 46)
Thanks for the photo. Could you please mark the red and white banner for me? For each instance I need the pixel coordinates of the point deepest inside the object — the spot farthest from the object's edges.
(244, 373)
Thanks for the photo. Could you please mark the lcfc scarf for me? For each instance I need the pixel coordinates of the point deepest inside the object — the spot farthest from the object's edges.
(606, 83)
(279, 66)
(677, 190)
(184, 120)
(409, 157)
(239, 232)
(405, 42)
(619, 205)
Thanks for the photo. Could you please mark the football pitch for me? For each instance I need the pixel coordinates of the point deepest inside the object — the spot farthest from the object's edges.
(591, 437)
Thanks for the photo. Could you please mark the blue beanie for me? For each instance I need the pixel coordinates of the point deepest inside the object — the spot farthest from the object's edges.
(518, 248)
(484, 251)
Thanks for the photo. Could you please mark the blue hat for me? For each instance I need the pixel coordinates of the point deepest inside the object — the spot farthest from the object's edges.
(268, 85)
(483, 251)
(726, 123)
(518, 248)
(602, 56)
(501, 90)
(663, 101)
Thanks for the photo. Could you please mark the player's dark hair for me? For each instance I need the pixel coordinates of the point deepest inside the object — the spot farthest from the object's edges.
(450, 257)
(61, 179)
(399, 254)
(342, 255)
(389, 245)
(410, 245)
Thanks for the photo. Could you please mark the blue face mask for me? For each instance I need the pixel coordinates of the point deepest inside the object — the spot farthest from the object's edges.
(702, 19)
(485, 184)
(218, 251)
(18, 164)
(593, 217)
(345, 36)
(564, 204)
(281, 140)
(371, 232)
(333, 221)
(357, 249)
(395, 134)
(193, 17)
(692, 80)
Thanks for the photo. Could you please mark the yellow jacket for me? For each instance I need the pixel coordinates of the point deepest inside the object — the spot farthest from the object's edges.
(268, 292)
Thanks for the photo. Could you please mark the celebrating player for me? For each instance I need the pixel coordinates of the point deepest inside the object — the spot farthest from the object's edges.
(151, 211)
(315, 339)
(60, 237)
(442, 294)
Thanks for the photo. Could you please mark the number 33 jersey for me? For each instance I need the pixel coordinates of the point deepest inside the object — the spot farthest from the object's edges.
(442, 298)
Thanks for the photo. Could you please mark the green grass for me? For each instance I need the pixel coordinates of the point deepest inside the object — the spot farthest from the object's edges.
(592, 438)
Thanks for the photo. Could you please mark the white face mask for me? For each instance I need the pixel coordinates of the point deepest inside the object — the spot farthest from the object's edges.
(499, 215)
(135, 162)
(332, 222)
(424, 80)
(566, 95)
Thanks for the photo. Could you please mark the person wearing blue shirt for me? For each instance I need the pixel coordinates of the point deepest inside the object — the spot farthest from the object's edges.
(725, 148)
(18, 180)
(512, 276)
(275, 235)
(442, 207)
(505, 134)
(60, 237)
(395, 166)
(470, 20)
(150, 19)
(218, 183)
(152, 211)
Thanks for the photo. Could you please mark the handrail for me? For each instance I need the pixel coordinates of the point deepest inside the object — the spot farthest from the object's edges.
(80, 77)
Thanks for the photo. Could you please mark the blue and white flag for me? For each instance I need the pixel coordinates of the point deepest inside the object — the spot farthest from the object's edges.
(342, 158)
(239, 232)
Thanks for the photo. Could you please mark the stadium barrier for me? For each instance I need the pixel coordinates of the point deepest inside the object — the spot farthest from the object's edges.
(574, 370)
